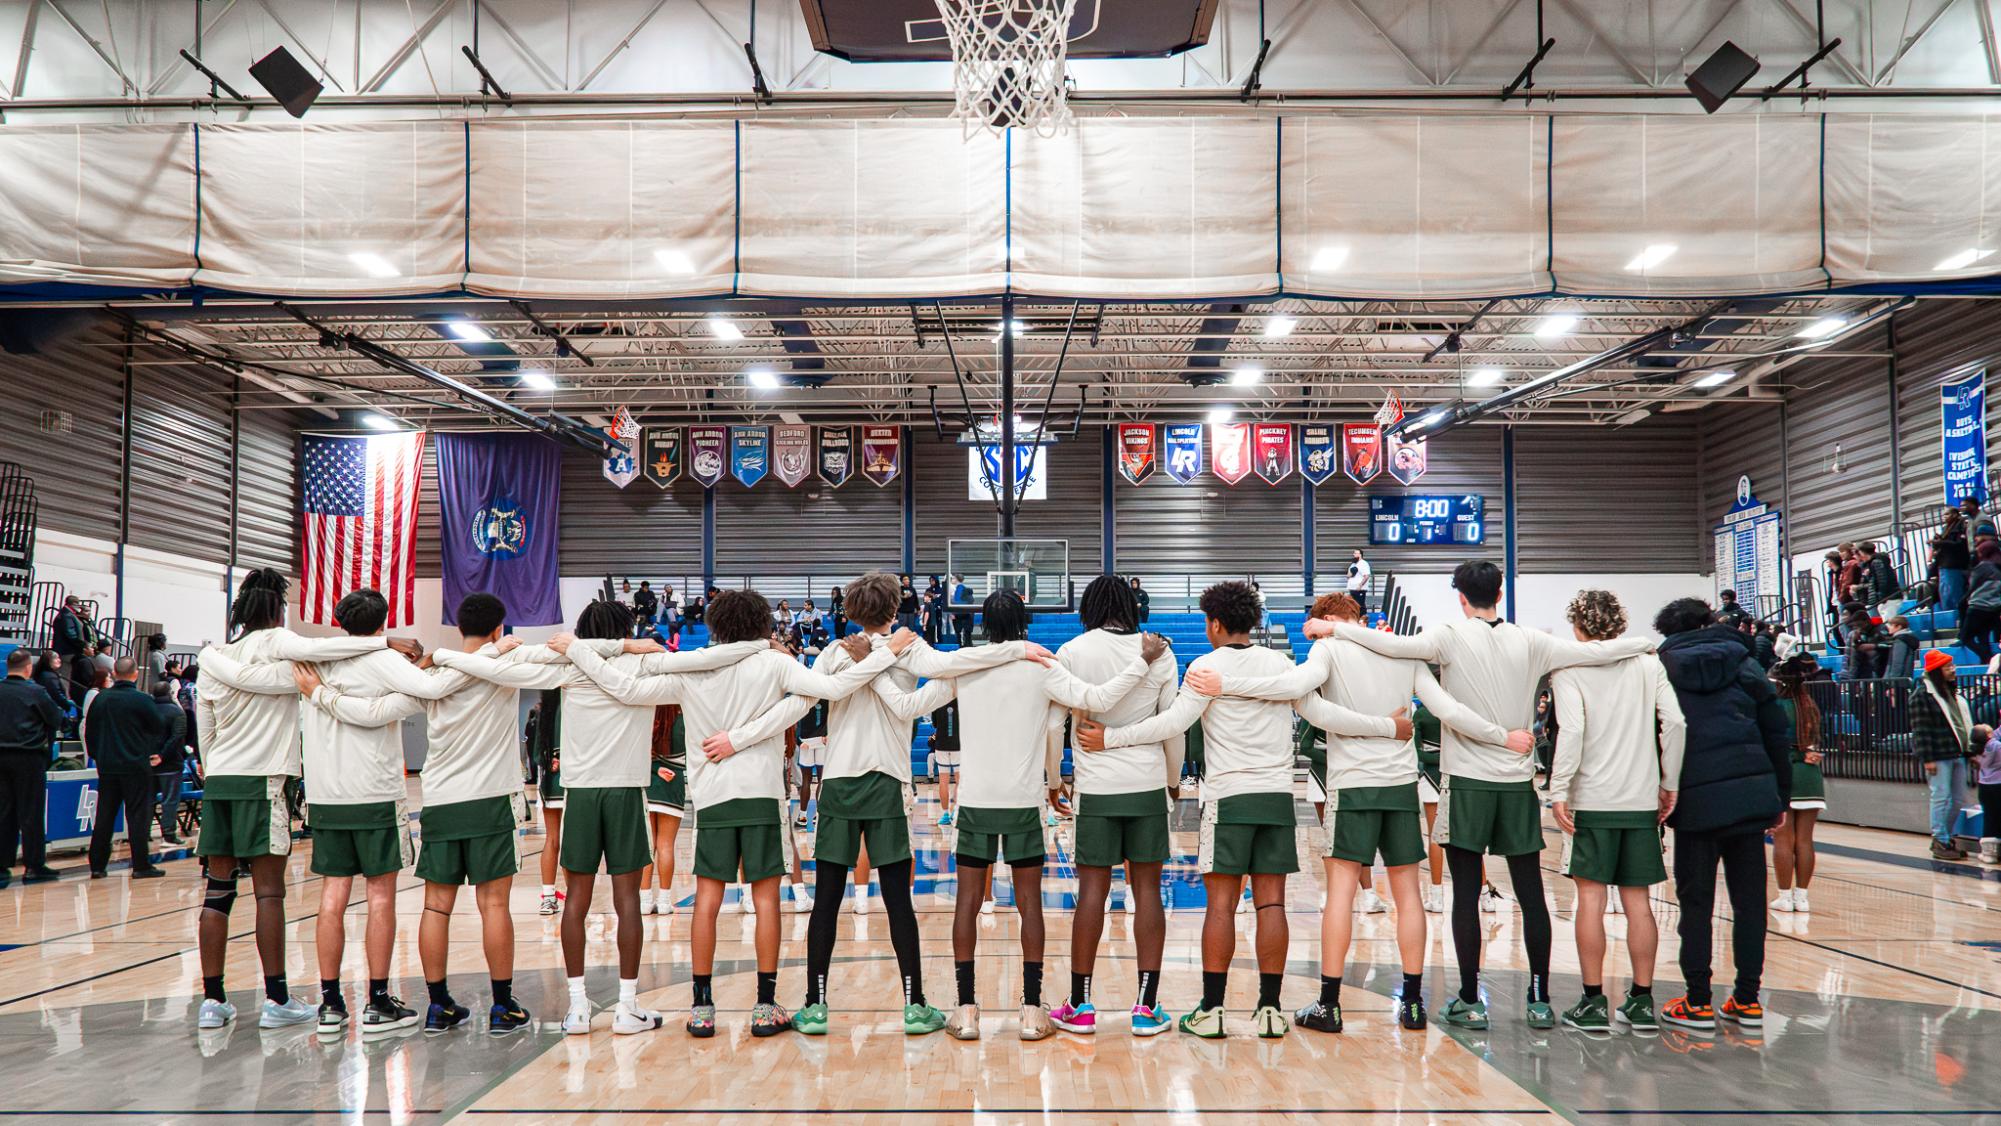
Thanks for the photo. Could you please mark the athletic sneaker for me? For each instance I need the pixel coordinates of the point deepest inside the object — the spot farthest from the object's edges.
(810, 1020)
(964, 1023)
(945, 820)
(744, 904)
(861, 901)
(1749, 1014)
(443, 1018)
(1369, 903)
(1206, 1023)
(1244, 905)
(1540, 1014)
(385, 1015)
(293, 1011)
(550, 905)
(1590, 1014)
(333, 1018)
(1319, 1017)
(1271, 1023)
(986, 906)
(702, 1021)
(1492, 902)
(799, 822)
(921, 1020)
(766, 1019)
(1799, 901)
(1151, 1022)
(802, 900)
(1614, 905)
(633, 1017)
(1081, 1019)
(1637, 1013)
(577, 1022)
(1050, 820)
(1132, 902)
(214, 1014)
(1035, 1023)
(1434, 899)
(1459, 1014)
(503, 1019)
(1784, 902)
(1681, 1014)
(646, 903)
(1410, 1012)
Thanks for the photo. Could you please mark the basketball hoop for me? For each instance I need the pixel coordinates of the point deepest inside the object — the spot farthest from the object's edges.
(1007, 63)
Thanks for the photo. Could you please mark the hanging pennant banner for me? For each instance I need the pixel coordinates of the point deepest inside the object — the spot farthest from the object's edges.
(708, 454)
(621, 461)
(750, 454)
(1407, 458)
(882, 453)
(1184, 451)
(1272, 443)
(1136, 457)
(1230, 451)
(1964, 449)
(791, 453)
(1361, 450)
(834, 454)
(661, 455)
(1316, 452)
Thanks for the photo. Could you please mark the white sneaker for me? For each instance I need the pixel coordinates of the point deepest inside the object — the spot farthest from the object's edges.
(802, 900)
(1784, 902)
(664, 905)
(214, 1014)
(577, 1022)
(548, 906)
(631, 1018)
(646, 903)
(274, 1015)
(1434, 899)
(860, 906)
(744, 904)
(1492, 902)
(1243, 905)
(986, 906)
(1369, 903)
(1799, 901)
(1613, 904)
(1132, 901)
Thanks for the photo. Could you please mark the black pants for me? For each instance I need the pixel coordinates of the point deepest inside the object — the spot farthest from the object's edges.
(1976, 632)
(168, 786)
(24, 800)
(133, 793)
(1361, 598)
(962, 625)
(1742, 855)
(1990, 809)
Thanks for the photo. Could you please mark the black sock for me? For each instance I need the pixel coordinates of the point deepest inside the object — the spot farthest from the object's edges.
(703, 995)
(1080, 988)
(439, 994)
(503, 991)
(1413, 987)
(330, 993)
(1149, 988)
(1641, 991)
(211, 989)
(767, 987)
(1268, 987)
(378, 990)
(1031, 983)
(963, 971)
(1330, 991)
(1464, 865)
(1594, 991)
(1213, 987)
(894, 879)
(274, 988)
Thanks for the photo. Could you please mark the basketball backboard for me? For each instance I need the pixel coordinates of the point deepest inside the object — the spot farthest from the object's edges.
(905, 31)
(1038, 569)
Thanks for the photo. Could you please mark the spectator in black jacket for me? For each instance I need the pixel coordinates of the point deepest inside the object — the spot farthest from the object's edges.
(122, 734)
(173, 758)
(1942, 738)
(1900, 654)
(1736, 778)
(1886, 591)
(1953, 557)
(1863, 639)
(1978, 616)
(49, 674)
(75, 641)
(645, 604)
(29, 722)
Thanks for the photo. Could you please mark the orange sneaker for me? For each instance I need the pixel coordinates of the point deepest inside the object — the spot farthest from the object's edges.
(1750, 1015)
(1680, 1014)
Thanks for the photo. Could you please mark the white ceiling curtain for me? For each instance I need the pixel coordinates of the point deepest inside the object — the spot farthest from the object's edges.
(97, 204)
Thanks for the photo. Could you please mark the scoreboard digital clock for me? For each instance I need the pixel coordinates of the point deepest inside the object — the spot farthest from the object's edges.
(1428, 519)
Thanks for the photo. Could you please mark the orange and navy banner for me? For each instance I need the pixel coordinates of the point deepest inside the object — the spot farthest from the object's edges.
(1361, 451)
(1136, 451)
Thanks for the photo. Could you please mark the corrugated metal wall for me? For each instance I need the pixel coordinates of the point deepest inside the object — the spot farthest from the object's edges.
(808, 530)
(1467, 460)
(641, 530)
(1844, 402)
(1070, 512)
(1938, 342)
(1736, 439)
(180, 459)
(267, 491)
(79, 384)
(1207, 529)
(1593, 499)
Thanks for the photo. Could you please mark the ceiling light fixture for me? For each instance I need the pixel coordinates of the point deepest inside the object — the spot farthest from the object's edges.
(674, 261)
(376, 421)
(1485, 377)
(1822, 328)
(1246, 375)
(722, 328)
(537, 380)
(469, 332)
(1278, 324)
(1555, 325)
(762, 378)
(1716, 378)
(1328, 259)
(1220, 415)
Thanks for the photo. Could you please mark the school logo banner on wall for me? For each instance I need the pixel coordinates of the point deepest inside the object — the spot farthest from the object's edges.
(791, 454)
(1272, 443)
(1361, 451)
(1316, 452)
(498, 495)
(1230, 451)
(834, 454)
(660, 457)
(750, 454)
(708, 454)
(1408, 458)
(1184, 451)
(882, 453)
(621, 461)
(983, 472)
(1136, 456)
(1965, 448)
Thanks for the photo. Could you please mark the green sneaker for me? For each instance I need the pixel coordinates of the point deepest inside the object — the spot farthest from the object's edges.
(921, 1019)
(1638, 1013)
(1459, 1014)
(1206, 1023)
(811, 1020)
(1590, 1014)
(1541, 1014)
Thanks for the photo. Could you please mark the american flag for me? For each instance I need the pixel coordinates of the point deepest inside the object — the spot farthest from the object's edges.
(360, 526)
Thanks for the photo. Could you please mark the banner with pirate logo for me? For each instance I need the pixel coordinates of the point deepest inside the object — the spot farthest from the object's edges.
(708, 454)
(882, 453)
(1184, 451)
(750, 454)
(791, 453)
(621, 460)
(1316, 452)
(1407, 458)
(834, 454)
(1230, 451)
(1271, 442)
(1361, 450)
(1136, 457)
(660, 456)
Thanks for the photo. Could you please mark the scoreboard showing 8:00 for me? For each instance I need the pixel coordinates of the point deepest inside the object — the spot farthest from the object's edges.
(1426, 519)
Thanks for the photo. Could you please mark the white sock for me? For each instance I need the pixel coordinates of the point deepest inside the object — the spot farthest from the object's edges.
(628, 992)
(578, 1001)
(548, 890)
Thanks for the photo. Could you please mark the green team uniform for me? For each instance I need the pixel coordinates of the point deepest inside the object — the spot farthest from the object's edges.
(862, 809)
(664, 795)
(363, 839)
(1248, 834)
(1498, 818)
(471, 842)
(1313, 748)
(1621, 848)
(743, 835)
(244, 816)
(988, 836)
(1366, 821)
(605, 826)
(1192, 749)
(1113, 829)
(1809, 785)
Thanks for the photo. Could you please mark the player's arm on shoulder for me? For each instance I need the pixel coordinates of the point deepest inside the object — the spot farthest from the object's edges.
(366, 711)
(910, 705)
(1179, 716)
(261, 678)
(1428, 645)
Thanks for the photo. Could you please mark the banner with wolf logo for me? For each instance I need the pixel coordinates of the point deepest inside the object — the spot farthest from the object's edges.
(791, 454)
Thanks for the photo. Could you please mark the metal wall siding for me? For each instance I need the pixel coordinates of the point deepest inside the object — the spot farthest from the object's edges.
(808, 530)
(1938, 342)
(641, 530)
(267, 521)
(180, 460)
(75, 472)
(429, 563)
(1071, 511)
(1596, 499)
(1844, 401)
(1737, 439)
(1207, 529)
(1467, 460)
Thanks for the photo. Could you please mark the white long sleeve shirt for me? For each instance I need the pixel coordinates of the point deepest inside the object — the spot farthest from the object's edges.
(247, 705)
(1366, 682)
(1619, 732)
(1097, 656)
(720, 699)
(1493, 668)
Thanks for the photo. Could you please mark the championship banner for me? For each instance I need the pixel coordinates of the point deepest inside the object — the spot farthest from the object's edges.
(621, 461)
(1230, 451)
(834, 454)
(1408, 458)
(791, 454)
(1964, 405)
(708, 454)
(660, 456)
(1136, 458)
(750, 454)
(498, 495)
(1184, 451)
(1316, 452)
(882, 453)
(1272, 443)
(1361, 450)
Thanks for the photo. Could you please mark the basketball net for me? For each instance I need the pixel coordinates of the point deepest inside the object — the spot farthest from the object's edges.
(1007, 63)
(1390, 411)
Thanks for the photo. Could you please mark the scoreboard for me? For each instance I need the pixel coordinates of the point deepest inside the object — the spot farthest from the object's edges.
(1427, 519)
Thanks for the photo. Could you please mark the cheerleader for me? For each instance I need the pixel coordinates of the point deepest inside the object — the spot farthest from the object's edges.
(1792, 842)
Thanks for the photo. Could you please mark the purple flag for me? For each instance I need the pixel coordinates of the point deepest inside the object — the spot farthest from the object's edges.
(497, 502)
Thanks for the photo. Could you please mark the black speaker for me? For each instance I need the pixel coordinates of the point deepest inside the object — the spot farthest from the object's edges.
(293, 85)
(1724, 74)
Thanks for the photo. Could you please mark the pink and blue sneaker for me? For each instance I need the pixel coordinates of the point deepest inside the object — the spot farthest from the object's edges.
(1081, 1019)
(1151, 1022)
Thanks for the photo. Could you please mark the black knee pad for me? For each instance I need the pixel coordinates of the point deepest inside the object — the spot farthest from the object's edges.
(220, 895)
